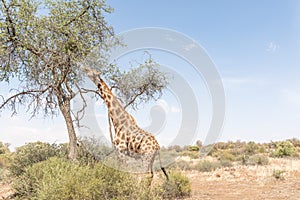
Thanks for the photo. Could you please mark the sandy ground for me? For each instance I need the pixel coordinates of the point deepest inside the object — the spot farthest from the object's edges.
(248, 182)
(239, 182)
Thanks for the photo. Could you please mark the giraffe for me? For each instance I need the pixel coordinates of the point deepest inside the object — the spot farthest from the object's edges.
(129, 138)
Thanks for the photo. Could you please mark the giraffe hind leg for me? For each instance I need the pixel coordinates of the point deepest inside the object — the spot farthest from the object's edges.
(165, 172)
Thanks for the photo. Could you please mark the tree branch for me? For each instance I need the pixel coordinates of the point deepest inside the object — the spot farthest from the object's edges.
(134, 98)
(29, 92)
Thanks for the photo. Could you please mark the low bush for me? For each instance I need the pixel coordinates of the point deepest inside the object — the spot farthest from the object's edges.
(58, 178)
(206, 166)
(31, 153)
(226, 163)
(177, 187)
(284, 149)
(258, 160)
(251, 148)
(193, 148)
(227, 155)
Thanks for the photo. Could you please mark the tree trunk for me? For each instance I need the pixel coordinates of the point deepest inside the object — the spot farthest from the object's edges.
(66, 111)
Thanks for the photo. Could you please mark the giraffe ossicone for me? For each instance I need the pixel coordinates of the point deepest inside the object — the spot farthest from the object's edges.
(129, 139)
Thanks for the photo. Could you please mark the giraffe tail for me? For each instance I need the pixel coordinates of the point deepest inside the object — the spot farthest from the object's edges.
(161, 167)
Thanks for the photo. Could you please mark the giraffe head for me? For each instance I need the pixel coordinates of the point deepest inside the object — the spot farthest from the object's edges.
(93, 74)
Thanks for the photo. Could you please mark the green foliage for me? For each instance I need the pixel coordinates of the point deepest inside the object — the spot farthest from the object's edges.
(227, 155)
(32, 153)
(177, 187)
(193, 148)
(58, 178)
(140, 84)
(284, 149)
(261, 149)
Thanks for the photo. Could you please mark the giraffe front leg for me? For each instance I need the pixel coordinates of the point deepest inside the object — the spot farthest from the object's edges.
(121, 150)
(149, 160)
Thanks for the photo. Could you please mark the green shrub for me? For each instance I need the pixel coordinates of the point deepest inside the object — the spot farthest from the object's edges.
(58, 178)
(206, 166)
(226, 155)
(193, 148)
(251, 148)
(261, 149)
(284, 149)
(177, 187)
(31, 153)
(226, 163)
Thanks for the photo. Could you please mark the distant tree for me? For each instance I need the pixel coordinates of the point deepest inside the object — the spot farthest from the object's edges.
(43, 44)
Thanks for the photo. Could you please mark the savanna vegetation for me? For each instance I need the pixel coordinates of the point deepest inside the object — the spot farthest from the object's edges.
(43, 171)
(227, 154)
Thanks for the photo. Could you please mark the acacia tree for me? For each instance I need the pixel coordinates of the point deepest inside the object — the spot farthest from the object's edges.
(42, 44)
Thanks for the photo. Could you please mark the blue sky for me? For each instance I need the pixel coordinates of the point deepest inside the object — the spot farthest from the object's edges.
(255, 46)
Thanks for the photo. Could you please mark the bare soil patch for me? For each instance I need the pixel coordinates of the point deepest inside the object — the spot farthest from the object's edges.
(248, 182)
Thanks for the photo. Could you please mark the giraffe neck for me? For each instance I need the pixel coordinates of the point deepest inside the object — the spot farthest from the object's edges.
(118, 114)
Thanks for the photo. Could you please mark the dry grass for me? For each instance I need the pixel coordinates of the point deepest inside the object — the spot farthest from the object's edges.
(248, 182)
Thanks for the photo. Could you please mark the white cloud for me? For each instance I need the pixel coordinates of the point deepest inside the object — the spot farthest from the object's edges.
(272, 47)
